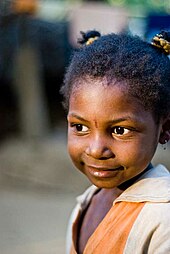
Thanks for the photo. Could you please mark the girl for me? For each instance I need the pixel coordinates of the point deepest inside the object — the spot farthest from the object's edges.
(117, 93)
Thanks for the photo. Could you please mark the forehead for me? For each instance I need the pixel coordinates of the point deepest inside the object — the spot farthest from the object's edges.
(88, 86)
(100, 99)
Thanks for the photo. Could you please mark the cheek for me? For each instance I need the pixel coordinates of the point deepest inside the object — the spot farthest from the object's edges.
(74, 148)
(128, 154)
(75, 152)
(71, 148)
(137, 153)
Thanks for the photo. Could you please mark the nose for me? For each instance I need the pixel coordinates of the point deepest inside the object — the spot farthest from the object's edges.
(99, 148)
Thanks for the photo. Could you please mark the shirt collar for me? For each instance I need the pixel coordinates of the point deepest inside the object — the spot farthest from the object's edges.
(153, 186)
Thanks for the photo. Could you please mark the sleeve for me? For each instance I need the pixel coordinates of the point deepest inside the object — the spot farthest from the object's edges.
(160, 240)
(151, 231)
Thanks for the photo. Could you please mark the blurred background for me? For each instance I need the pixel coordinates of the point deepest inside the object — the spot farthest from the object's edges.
(37, 180)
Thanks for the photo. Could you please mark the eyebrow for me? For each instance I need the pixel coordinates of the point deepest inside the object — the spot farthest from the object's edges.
(114, 121)
(123, 119)
(77, 116)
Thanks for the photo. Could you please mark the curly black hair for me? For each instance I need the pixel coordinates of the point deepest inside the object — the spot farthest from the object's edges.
(143, 67)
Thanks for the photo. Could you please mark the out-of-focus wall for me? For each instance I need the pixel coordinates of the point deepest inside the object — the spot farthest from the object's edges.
(98, 16)
(53, 29)
(37, 179)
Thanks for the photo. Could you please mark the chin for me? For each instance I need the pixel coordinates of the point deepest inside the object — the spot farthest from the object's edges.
(103, 184)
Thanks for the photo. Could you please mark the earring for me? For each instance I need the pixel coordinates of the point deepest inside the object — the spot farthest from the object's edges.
(164, 146)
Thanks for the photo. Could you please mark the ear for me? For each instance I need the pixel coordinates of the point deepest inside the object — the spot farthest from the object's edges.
(165, 132)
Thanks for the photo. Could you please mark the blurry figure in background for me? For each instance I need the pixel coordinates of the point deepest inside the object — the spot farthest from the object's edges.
(27, 76)
(24, 6)
(21, 66)
(117, 94)
(33, 55)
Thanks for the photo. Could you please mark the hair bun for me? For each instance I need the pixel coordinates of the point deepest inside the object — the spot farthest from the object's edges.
(162, 41)
(89, 37)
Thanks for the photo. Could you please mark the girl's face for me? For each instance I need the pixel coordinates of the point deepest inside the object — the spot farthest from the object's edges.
(111, 137)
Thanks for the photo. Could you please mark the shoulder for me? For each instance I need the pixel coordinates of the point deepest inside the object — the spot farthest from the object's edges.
(159, 221)
(154, 216)
(159, 212)
(158, 217)
(151, 231)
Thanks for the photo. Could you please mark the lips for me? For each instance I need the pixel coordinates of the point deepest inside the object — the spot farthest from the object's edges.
(106, 168)
(104, 172)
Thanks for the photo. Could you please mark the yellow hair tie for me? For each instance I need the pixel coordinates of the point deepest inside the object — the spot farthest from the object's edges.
(159, 42)
(89, 37)
(91, 40)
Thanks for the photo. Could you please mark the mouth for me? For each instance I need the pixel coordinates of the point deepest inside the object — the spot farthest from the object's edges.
(104, 172)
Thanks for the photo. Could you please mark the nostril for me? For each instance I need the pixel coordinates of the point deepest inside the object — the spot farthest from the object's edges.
(100, 154)
(104, 158)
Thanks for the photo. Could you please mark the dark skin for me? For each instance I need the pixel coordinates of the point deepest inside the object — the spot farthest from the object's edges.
(97, 210)
(95, 214)
(109, 146)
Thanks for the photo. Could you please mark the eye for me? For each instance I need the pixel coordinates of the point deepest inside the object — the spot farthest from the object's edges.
(80, 127)
(118, 130)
